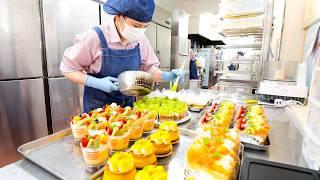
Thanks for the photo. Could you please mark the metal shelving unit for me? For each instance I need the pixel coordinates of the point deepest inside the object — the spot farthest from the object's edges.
(258, 29)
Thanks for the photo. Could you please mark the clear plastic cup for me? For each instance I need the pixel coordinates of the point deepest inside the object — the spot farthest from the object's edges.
(96, 157)
(118, 143)
(78, 132)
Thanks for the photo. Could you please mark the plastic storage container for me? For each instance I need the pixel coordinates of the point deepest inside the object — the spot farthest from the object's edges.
(229, 8)
(313, 121)
(311, 149)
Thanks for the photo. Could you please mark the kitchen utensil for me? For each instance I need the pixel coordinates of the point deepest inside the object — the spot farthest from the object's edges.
(135, 83)
(174, 87)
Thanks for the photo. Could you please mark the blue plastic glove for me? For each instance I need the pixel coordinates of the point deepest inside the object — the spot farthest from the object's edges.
(173, 74)
(106, 84)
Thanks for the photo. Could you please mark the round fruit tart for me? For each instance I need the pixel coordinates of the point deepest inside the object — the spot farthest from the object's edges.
(161, 141)
(172, 128)
(120, 166)
(152, 172)
(143, 153)
(95, 149)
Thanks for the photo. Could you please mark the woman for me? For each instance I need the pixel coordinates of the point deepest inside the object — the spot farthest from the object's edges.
(99, 55)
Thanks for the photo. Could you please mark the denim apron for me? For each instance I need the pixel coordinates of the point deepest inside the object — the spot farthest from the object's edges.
(114, 62)
(193, 70)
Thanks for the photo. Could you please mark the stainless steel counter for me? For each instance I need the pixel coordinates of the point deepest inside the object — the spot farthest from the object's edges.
(284, 136)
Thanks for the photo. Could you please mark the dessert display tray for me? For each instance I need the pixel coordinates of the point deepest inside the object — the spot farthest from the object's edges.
(260, 147)
(180, 121)
(59, 155)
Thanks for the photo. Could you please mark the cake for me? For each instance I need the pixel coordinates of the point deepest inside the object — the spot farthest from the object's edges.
(79, 125)
(95, 149)
(143, 153)
(219, 115)
(119, 135)
(251, 121)
(161, 141)
(97, 126)
(172, 128)
(136, 126)
(152, 172)
(148, 120)
(215, 153)
(119, 167)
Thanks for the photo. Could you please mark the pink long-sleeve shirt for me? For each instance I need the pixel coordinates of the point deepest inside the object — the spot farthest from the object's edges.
(85, 54)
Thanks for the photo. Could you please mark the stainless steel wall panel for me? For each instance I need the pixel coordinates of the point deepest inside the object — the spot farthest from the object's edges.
(164, 46)
(63, 19)
(151, 34)
(22, 116)
(64, 102)
(20, 40)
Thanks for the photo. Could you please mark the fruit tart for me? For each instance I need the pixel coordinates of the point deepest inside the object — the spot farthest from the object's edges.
(252, 123)
(152, 172)
(161, 141)
(95, 149)
(79, 126)
(206, 155)
(172, 128)
(119, 135)
(143, 153)
(120, 167)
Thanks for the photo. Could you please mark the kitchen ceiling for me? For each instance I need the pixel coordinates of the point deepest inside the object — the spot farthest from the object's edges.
(192, 7)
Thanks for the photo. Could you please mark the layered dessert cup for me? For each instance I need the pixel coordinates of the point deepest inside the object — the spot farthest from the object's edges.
(79, 126)
(95, 149)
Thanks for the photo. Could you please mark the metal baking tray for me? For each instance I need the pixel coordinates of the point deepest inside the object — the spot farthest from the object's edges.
(175, 163)
(260, 147)
(59, 155)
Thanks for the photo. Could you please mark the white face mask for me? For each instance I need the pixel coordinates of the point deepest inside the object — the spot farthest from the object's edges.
(131, 33)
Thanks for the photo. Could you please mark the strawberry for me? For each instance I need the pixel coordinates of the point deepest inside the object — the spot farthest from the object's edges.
(109, 131)
(84, 142)
(139, 114)
(107, 117)
(84, 116)
(87, 123)
(90, 114)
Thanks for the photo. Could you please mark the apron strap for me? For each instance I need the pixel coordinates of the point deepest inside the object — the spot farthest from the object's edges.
(103, 40)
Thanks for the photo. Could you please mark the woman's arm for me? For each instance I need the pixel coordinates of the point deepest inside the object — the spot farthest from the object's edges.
(76, 77)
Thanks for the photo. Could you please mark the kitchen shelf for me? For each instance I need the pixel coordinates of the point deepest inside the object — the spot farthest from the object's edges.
(236, 72)
(244, 61)
(239, 46)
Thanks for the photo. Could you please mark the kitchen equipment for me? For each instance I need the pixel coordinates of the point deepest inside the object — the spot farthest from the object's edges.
(65, 97)
(271, 90)
(258, 169)
(135, 83)
(23, 115)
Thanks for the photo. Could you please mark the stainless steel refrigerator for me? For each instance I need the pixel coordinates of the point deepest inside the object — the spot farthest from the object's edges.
(22, 100)
(63, 19)
(34, 97)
